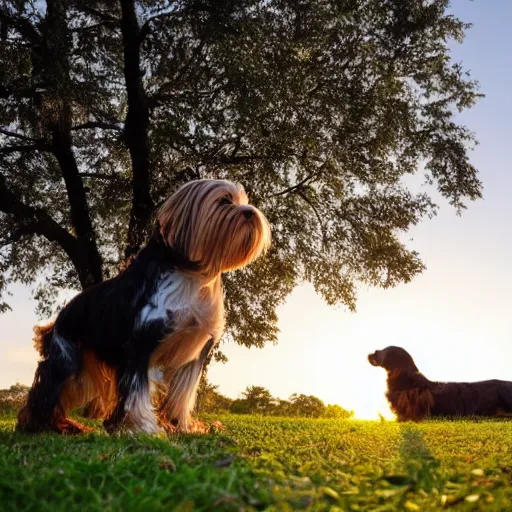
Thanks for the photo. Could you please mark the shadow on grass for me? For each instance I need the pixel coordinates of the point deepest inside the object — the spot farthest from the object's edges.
(420, 465)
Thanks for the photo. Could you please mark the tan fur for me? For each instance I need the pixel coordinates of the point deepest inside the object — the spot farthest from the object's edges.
(60, 424)
(95, 386)
(179, 398)
(41, 332)
(96, 380)
(218, 239)
(97, 408)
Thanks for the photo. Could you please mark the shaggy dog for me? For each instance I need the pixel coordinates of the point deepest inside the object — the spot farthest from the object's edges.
(162, 315)
(413, 397)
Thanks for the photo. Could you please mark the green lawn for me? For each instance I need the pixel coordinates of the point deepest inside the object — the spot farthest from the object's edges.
(264, 464)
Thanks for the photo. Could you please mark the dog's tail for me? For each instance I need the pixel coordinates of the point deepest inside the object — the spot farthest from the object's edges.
(42, 338)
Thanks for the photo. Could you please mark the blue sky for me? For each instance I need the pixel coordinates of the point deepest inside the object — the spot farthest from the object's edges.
(455, 318)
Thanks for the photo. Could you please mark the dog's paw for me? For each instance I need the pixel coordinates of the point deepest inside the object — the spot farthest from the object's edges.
(70, 427)
(217, 426)
(201, 427)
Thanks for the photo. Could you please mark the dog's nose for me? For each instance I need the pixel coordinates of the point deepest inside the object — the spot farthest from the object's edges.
(248, 214)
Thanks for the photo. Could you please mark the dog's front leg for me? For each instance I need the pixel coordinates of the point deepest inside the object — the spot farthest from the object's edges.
(133, 412)
(182, 383)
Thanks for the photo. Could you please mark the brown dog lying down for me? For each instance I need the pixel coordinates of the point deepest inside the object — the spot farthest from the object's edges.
(413, 397)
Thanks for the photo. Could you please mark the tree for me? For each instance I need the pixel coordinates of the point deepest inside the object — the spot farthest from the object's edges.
(210, 400)
(14, 397)
(337, 412)
(239, 406)
(319, 107)
(18, 388)
(258, 400)
(307, 406)
(280, 408)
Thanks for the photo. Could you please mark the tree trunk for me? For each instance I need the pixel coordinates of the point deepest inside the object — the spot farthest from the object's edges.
(90, 268)
(58, 116)
(136, 129)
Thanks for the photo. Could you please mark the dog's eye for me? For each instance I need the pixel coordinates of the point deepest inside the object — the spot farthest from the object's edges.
(225, 200)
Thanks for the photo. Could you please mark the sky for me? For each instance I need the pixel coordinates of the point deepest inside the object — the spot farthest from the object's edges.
(455, 319)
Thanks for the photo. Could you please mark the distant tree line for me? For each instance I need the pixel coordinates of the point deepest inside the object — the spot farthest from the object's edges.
(254, 400)
(14, 397)
(259, 400)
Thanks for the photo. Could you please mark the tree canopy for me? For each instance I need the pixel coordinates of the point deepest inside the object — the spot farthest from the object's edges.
(320, 108)
(258, 400)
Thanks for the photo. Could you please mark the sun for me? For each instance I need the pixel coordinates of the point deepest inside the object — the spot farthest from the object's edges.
(369, 413)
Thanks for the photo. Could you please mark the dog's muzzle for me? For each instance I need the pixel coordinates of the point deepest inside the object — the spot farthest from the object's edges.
(373, 360)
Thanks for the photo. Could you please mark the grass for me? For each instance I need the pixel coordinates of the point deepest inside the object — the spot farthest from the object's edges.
(264, 464)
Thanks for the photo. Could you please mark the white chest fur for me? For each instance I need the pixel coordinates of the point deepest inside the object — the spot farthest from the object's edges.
(175, 297)
(187, 303)
(196, 311)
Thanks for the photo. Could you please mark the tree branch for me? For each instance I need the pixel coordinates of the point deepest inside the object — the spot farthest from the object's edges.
(18, 135)
(234, 160)
(97, 124)
(21, 92)
(14, 149)
(19, 233)
(99, 175)
(87, 28)
(102, 15)
(299, 185)
(144, 31)
(22, 25)
(319, 218)
(38, 220)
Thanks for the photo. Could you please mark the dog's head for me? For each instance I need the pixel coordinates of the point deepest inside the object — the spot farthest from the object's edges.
(211, 223)
(393, 358)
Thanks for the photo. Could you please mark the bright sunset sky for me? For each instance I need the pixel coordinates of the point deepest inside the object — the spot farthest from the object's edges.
(455, 319)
